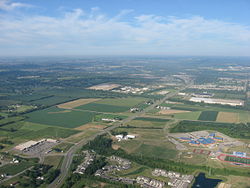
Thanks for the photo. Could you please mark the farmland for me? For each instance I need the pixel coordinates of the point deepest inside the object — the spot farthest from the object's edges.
(112, 105)
(208, 116)
(76, 103)
(58, 117)
(229, 117)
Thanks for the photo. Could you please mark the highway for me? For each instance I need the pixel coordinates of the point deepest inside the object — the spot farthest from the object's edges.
(70, 153)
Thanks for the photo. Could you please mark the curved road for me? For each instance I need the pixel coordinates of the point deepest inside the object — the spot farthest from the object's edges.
(70, 153)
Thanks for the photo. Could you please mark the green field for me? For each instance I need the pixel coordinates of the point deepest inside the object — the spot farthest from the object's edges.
(129, 101)
(208, 116)
(151, 119)
(22, 131)
(13, 169)
(59, 117)
(155, 151)
(52, 100)
(188, 115)
(103, 108)
(237, 159)
(112, 105)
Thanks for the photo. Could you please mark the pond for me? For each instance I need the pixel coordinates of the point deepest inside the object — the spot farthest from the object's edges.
(203, 182)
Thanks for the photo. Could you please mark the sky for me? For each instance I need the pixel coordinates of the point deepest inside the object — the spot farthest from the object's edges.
(124, 27)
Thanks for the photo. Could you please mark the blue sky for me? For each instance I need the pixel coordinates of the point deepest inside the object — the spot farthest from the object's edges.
(125, 27)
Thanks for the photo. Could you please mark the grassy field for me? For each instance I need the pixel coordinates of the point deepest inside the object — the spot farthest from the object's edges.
(55, 161)
(244, 116)
(52, 100)
(113, 105)
(103, 108)
(208, 116)
(59, 117)
(129, 101)
(13, 169)
(152, 119)
(22, 131)
(155, 151)
(189, 115)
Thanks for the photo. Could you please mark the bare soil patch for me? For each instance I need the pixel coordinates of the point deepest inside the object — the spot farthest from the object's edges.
(172, 111)
(115, 146)
(104, 87)
(229, 117)
(76, 103)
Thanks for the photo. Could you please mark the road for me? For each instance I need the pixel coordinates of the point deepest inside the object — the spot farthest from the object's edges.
(70, 153)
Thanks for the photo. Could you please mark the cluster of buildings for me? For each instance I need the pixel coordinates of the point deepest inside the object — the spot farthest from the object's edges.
(120, 137)
(176, 179)
(108, 120)
(149, 183)
(89, 158)
(162, 107)
(239, 154)
(133, 90)
(123, 164)
(133, 110)
(218, 87)
(217, 101)
(30, 144)
(205, 141)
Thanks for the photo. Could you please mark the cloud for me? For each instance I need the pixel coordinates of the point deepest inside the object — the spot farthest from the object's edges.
(7, 5)
(93, 33)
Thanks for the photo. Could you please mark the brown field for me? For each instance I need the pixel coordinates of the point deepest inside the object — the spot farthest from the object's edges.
(104, 87)
(88, 126)
(229, 117)
(61, 112)
(165, 112)
(76, 103)
(115, 146)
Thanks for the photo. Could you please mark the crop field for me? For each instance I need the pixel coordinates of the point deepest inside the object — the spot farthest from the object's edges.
(23, 131)
(244, 116)
(76, 103)
(128, 102)
(189, 116)
(151, 119)
(52, 116)
(52, 100)
(103, 108)
(229, 117)
(166, 112)
(112, 105)
(208, 116)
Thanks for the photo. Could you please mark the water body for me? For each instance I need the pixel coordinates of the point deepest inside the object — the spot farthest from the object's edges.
(203, 182)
